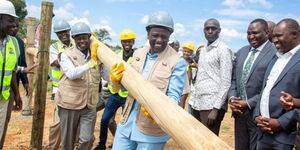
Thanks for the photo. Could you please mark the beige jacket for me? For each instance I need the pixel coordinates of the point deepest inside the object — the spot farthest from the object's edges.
(159, 76)
(78, 93)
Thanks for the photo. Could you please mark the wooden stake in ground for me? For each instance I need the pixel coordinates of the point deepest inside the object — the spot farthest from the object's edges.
(31, 24)
(188, 132)
(42, 76)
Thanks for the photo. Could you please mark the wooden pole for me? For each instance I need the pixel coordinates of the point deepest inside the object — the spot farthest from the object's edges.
(42, 76)
(188, 132)
(31, 28)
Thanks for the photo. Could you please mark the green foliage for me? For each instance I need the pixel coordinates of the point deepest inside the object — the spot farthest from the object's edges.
(21, 11)
(20, 7)
(102, 34)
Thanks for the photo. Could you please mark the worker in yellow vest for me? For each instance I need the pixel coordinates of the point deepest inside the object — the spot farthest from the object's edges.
(9, 54)
(62, 30)
(116, 99)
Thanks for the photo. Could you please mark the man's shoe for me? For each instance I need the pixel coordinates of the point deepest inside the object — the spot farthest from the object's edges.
(26, 112)
(98, 147)
(110, 146)
(52, 96)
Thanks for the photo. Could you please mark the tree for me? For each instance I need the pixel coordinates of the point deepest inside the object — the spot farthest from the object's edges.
(102, 34)
(21, 12)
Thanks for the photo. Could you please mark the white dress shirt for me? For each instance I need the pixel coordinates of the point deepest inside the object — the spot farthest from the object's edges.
(259, 49)
(69, 68)
(213, 77)
(277, 68)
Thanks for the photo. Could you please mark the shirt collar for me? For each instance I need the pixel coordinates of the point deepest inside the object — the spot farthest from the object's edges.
(213, 45)
(4, 40)
(260, 48)
(289, 53)
(153, 55)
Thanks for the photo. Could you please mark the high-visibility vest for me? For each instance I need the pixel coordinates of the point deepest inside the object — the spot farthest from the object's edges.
(122, 92)
(55, 72)
(8, 62)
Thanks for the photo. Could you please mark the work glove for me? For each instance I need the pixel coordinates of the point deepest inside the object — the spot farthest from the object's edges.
(146, 113)
(116, 74)
(92, 63)
(94, 51)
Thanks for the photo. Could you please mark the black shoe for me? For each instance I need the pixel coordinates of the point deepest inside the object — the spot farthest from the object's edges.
(110, 146)
(98, 147)
(53, 96)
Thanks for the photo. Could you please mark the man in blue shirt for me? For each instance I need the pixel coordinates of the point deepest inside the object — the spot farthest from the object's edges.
(164, 68)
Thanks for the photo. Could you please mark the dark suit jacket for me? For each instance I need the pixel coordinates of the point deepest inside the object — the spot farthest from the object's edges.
(257, 73)
(288, 81)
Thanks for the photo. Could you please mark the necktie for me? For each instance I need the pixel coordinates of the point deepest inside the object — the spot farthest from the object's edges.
(245, 74)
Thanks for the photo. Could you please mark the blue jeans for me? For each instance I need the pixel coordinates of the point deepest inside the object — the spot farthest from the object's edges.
(113, 103)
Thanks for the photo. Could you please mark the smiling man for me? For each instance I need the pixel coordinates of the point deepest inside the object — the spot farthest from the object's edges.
(116, 99)
(249, 69)
(213, 79)
(77, 94)
(277, 125)
(162, 66)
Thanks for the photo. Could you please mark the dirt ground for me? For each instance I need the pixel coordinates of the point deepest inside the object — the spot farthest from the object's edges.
(19, 130)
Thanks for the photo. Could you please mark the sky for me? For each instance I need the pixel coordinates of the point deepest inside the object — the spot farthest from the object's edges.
(188, 15)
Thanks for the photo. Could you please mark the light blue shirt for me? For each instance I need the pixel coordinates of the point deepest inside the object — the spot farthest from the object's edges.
(174, 90)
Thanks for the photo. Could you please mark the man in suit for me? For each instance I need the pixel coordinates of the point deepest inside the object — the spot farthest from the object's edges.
(277, 125)
(248, 73)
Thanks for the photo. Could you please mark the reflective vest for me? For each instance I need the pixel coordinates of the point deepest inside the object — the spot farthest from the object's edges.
(55, 72)
(122, 92)
(8, 62)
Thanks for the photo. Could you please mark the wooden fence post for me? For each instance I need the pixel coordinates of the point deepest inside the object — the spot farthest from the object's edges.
(42, 76)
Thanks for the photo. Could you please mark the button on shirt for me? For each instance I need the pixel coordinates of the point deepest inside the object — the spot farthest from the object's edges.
(213, 77)
(277, 68)
(175, 87)
(69, 68)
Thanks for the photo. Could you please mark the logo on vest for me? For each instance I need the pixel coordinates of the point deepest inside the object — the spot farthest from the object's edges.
(10, 51)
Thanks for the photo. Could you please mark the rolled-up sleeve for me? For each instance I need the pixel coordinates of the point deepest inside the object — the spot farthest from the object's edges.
(53, 54)
(69, 68)
(177, 81)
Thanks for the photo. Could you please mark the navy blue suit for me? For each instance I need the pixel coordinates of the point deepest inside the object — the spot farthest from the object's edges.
(288, 81)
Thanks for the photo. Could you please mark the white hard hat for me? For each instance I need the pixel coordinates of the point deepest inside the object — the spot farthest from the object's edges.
(61, 25)
(161, 18)
(80, 28)
(6, 7)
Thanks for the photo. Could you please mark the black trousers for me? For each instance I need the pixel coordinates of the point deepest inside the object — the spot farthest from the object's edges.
(202, 117)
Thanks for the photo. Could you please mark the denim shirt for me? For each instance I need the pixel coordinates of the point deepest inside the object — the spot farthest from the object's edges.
(174, 90)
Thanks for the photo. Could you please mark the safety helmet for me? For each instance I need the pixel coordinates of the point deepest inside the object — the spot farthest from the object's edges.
(161, 18)
(6, 7)
(61, 25)
(80, 28)
(127, 35)
(189, 45)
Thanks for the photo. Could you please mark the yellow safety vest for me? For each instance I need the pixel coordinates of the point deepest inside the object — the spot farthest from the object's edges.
(122, 92)
(55, 72)
(8, 62)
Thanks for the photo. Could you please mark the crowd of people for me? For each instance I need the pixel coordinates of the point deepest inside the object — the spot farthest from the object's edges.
(260, 83)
